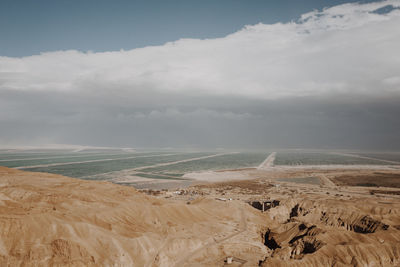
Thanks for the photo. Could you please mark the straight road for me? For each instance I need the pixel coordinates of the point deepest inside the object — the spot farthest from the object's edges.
(268, 162)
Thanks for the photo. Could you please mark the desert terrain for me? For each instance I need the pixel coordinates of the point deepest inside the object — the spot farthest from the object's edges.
(268, 216)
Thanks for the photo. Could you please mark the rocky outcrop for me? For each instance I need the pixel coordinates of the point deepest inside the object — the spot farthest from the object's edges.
(313, 231)
(337, 217)
(294, 242)
(51, 220)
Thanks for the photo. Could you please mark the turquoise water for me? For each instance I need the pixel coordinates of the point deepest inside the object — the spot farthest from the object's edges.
(94, 168)
(232, 161)
(392, 156)
(118, 160)
(73, 163)
(62, 159)
(316, 158)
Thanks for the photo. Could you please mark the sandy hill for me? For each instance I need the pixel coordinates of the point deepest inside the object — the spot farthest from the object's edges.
(51, 220)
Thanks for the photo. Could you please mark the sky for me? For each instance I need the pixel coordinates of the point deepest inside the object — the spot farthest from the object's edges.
(201, 74)
(29, 27)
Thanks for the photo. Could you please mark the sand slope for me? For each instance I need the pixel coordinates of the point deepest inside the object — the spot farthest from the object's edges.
(49, 219)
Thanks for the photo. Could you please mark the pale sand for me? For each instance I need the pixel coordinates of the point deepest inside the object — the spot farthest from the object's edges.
(51, 220)
(216, 176)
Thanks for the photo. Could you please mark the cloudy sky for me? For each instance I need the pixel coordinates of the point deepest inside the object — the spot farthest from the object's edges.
(237, 74)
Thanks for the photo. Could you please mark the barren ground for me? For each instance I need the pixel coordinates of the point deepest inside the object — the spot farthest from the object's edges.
(372, 179)
(53, 220)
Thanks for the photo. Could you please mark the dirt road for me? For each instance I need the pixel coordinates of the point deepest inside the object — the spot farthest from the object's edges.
(268, 162)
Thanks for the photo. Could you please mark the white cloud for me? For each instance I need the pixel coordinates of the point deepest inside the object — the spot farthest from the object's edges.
(343, 49)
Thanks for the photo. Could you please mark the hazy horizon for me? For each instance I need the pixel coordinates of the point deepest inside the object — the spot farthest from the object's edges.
(325, 78)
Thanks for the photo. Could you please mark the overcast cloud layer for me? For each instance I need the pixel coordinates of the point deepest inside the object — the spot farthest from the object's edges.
(329, 80)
